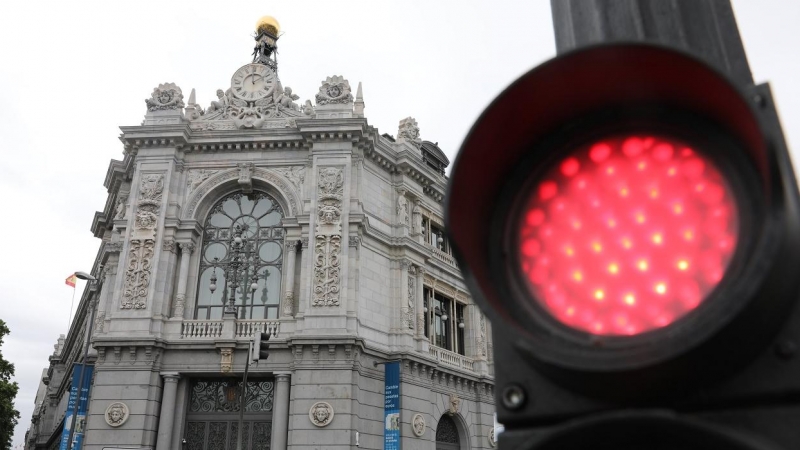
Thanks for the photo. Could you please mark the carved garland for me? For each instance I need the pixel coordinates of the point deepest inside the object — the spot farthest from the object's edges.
(138, 269)
(328, 239)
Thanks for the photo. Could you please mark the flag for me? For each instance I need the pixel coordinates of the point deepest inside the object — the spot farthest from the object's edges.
(70, 281)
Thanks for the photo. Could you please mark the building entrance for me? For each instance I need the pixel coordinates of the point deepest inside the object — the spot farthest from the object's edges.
(213, 417)
(447, 434)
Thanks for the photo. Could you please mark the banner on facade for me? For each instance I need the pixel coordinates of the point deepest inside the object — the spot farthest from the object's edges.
(391, 407)
(83, 403)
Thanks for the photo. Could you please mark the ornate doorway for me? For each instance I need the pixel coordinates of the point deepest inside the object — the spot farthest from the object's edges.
(212, 420)
(447, 434)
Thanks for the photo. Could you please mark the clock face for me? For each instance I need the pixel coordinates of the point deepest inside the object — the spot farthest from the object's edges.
(253, 82)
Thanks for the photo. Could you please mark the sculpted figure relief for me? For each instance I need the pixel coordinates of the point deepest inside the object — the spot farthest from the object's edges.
(121, 207)
(165, 96)
(416, 220)
(409, 131)
(455, 403)
(402, 208)
(286, 99)
(418, 424)
(218, 105)
(321, 414)
(117, 414)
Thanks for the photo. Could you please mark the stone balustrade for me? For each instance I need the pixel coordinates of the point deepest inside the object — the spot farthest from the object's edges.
(452, 359)
(444, 257)
(248, 328)
(191, 329)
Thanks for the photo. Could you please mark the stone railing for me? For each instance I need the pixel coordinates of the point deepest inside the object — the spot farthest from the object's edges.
(444, 257)
(248, 328)
(201, 329)
(452, 359)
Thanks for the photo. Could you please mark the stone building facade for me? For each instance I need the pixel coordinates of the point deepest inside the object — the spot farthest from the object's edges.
(333, 235)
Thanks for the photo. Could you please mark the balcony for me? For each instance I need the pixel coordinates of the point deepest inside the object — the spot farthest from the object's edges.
(213, 329)
(452, 359)
(444, 257)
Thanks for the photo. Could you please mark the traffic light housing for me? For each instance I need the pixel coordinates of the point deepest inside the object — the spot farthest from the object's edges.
(261, 346)
(628, 219)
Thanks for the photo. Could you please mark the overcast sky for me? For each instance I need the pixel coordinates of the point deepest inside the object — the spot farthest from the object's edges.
(73, 72)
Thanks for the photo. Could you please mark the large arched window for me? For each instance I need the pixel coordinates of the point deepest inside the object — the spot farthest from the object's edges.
(258, 216)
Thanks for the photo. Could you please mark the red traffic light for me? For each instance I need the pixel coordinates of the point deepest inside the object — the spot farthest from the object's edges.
(626, 194)
(626, 234)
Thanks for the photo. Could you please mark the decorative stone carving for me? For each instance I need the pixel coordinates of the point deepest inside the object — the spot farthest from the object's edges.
(248, 117)
(117, 414)
(308, 109)
(480, 340)
(328, 245)
(150, 195)
(409, 131)
(140, 255)
(321, 414)
(137, 274)
(286, 99)
(113, 247)
(226, 360)
(196, 177)
(354, 241)
(492, 437)
(418, 425)
(263, 174)
(120, 212)
(99, 320)
(402, 208)
(296, 175)
(334, 90)
(220, 104)
(246, 177)
(408, 311)
(454, 404)
(165, 96)
(169, 245)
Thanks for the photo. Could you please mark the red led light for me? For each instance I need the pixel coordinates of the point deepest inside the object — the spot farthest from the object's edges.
(627, 235)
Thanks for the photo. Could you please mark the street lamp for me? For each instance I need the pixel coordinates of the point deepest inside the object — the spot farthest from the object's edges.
(93, 280)
(241, 255)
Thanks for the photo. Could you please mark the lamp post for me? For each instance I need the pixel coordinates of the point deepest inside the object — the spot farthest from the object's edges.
(93, 280)
(241, 254)
(235, 269)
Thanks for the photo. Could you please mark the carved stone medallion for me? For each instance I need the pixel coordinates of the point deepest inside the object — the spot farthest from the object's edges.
(165, 96)
(492, 438)
(117, 414)
(321, 414)
(418, 425)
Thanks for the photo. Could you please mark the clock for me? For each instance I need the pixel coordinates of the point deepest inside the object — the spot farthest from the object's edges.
(253, 82)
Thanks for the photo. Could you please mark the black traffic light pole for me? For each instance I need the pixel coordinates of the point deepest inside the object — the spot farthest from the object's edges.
(705, 28)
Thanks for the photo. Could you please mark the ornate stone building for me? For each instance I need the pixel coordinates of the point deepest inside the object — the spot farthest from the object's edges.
(261, 214)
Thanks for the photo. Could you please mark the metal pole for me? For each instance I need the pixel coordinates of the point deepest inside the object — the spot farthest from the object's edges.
(242, 397)
(80, 380)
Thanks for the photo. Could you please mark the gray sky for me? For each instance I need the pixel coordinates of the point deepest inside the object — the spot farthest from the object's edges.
(73, 72)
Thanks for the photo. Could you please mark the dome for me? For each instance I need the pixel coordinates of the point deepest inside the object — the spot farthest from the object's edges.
(269, 25)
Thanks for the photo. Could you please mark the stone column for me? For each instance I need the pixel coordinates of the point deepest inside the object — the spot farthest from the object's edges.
(166, 420)
(280, 413)
(288, 290)
(183, 279)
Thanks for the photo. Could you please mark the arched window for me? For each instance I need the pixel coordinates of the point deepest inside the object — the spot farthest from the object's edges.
(447, 434)
(258, 216)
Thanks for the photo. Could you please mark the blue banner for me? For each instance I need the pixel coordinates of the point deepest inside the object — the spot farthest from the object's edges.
(80, 423)
(391, 407)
